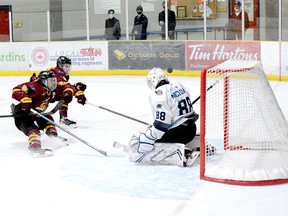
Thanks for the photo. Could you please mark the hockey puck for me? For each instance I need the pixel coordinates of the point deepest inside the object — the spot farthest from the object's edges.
(169, 70)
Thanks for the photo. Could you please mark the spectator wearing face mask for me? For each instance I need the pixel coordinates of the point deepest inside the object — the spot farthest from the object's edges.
(171, 22)
(234, 27)
(140, 25)
(112, 27)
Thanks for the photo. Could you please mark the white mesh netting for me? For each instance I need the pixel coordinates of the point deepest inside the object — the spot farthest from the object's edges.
(245, 123)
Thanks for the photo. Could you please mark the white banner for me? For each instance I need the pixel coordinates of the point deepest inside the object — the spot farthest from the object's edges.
(14, 56)
(84, 55)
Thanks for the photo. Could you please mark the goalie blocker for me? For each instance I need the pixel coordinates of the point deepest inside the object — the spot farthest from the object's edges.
(165, 154)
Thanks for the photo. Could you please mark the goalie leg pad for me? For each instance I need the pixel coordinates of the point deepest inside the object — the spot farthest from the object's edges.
(162, 154)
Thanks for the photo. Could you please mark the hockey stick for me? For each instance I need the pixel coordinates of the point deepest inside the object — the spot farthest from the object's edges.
(137, 120)
(210, 87)
(55, 109)
(105, 153)
(117, 113)
(51, 112)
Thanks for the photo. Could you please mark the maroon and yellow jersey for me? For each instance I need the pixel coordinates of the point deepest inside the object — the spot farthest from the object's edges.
(60, 75)
(63, 84)
(33, 92)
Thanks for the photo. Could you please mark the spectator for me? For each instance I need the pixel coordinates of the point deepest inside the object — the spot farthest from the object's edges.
(171, 22)
(140, 25)
(112, 27)
(234, 27)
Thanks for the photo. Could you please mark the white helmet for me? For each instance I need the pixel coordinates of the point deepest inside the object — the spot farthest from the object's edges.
(155, 76)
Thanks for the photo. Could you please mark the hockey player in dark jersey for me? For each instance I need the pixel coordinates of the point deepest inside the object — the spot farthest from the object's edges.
(35, 95)
(65, 91)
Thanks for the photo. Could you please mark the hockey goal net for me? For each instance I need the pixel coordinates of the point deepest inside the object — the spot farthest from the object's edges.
(240, 116)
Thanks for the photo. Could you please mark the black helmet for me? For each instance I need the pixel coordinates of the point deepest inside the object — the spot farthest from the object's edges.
(63, 60)
(44, 78)
(139, 8)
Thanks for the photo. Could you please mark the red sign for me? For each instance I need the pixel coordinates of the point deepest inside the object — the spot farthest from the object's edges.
(4, 23)
(201, 55)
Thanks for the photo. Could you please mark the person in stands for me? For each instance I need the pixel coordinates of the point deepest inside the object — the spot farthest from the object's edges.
(140, 25)
(112, 27)
(234, 27)
(171, 22)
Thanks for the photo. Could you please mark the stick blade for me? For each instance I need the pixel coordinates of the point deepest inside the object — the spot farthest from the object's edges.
(115, 151)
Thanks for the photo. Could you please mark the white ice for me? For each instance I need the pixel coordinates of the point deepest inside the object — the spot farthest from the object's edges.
(77, 180)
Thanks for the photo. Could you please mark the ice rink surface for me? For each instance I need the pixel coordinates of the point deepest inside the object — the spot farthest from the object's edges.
(77, 180)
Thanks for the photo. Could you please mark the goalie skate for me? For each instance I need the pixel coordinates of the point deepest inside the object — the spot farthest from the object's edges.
(190, 158)
(39, 152)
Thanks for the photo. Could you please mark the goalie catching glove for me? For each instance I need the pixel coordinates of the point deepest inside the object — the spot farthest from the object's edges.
(144, 142)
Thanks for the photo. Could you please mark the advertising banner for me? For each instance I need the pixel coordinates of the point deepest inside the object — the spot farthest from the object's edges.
(201, 55)
(84, 55)
(14, 57)
(146, 55)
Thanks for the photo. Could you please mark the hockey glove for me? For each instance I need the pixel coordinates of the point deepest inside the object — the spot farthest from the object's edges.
(81, 99)
(26, 104)
(67, 96)
(33, 77)
(80, 86)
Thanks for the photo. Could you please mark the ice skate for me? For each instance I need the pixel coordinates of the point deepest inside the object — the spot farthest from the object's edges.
(68, 123)
(39, 152)
(190, 157)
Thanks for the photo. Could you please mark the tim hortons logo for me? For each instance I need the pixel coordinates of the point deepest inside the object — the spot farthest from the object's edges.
(221, 52)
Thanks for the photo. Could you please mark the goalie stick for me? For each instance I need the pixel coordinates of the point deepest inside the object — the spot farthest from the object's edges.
(117, 113)
(105, 153)
(137, 120)
(51, 112)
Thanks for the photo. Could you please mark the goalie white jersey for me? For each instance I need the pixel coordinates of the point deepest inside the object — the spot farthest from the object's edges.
(171, 105)
(174, 123)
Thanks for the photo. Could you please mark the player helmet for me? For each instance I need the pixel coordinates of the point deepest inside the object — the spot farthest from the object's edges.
(64, 63)
(155, 76)
(48, 79)
(63, 60)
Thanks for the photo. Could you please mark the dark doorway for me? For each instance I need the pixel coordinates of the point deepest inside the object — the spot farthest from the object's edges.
(4, 23)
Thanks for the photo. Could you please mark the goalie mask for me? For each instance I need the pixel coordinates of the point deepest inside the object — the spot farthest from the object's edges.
(48, 79)
(155, 76)
(64, 63)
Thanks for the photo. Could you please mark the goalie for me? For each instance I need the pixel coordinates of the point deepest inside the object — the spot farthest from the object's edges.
(165, 142)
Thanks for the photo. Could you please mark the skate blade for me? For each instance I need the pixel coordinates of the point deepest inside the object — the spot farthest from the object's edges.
(72, 126)
(41, 154)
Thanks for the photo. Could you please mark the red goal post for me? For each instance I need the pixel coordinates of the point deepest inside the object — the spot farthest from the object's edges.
(240, 116)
